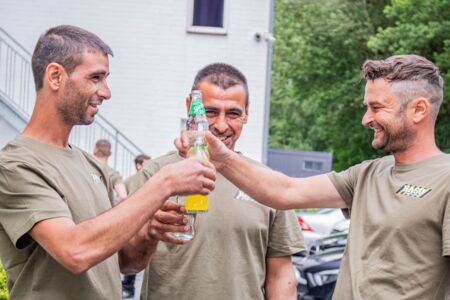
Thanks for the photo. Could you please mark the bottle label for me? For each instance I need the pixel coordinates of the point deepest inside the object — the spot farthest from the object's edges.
(197, 108)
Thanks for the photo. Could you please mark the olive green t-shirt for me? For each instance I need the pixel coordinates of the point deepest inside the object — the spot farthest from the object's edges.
(399, 241)
(114, 175)
(38, 182)
(227, 257)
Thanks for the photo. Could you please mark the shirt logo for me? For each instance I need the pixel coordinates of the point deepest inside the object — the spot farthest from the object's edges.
(96, 178)
(413, 190)
(240, 195)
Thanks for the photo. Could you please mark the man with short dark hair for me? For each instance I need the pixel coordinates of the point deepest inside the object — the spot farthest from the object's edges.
(102, 151)
(59, 235)
(399, 240)
(241, 249)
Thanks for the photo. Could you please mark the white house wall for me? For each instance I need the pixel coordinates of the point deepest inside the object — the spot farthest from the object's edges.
(155, 59)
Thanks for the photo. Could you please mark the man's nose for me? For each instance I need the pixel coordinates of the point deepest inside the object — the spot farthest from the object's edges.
(104, 91)
(367, 118)
(221, 123)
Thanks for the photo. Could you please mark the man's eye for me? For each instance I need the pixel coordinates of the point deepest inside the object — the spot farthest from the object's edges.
(210, 113)
(234, 115)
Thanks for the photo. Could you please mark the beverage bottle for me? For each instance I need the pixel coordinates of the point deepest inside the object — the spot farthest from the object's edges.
(197, 124)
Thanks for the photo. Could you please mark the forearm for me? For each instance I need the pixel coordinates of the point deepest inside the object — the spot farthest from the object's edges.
(268, 187)
(279, 191)
(280, 279)
(94, 240)
(121, 190)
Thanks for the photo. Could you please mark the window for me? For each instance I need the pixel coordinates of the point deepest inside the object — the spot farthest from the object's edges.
(312, 165)
(207, 16)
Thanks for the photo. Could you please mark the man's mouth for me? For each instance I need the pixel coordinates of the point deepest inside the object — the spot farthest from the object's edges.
(225, 139)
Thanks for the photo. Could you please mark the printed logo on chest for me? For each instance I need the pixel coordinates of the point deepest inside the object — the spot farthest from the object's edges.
(96, 178)
(413, 190)
(240, 195)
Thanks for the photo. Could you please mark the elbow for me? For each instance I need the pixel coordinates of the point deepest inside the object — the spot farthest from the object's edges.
(77, 267)
(75, 262)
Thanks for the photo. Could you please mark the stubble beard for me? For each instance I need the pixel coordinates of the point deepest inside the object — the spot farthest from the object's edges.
(397, 137)
(73, 106)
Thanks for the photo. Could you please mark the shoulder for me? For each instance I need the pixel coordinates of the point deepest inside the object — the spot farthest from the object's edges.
(156, 164)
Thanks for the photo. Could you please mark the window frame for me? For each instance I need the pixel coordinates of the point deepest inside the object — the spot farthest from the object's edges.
(206, 29)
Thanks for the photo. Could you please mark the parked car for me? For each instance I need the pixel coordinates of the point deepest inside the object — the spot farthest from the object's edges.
(320, 222)
(316, 271)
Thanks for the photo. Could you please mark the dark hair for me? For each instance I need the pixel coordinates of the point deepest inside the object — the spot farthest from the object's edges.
(222, 75)
(103, 147)
(139, 160)
(411, 76)
(64, 45)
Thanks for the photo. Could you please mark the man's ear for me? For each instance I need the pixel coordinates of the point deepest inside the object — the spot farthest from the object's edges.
(53, 76)
(419, 109)
(188, 103)
(246, 116)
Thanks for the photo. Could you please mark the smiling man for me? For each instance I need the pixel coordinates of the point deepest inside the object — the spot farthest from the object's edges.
(399, 240)
(59, 236)
(241, 249)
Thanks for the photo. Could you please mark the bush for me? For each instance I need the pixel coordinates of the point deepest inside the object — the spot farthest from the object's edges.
(3, 289)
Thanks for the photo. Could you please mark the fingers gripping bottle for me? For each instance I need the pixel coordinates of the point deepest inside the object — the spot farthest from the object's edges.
(197, 124)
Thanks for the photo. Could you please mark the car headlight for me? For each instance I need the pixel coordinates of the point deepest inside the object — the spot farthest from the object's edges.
(322, 277)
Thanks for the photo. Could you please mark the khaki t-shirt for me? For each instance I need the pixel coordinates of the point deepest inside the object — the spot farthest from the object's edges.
(399, 241)
(227, 257)
(37, 182)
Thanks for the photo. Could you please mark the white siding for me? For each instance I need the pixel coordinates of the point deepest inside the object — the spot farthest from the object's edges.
(155, 58)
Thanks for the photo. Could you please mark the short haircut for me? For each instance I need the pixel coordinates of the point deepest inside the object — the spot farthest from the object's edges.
(222, 75)
(103, 147)
(139, 160)
(65, 45)
(411, 77)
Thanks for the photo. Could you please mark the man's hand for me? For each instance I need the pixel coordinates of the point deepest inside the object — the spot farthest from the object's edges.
(190, 176)
(168, 219)
(218, 152)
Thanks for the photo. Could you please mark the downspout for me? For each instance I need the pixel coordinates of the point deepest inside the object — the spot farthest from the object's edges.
(268, 86)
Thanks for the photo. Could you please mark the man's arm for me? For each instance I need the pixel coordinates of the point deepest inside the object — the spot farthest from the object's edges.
(269, 187)
(78, 247)
(136, 255)
(121, 190)
(280, 279)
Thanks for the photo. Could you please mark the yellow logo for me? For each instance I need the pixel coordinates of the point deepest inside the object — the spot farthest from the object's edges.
(413, 190)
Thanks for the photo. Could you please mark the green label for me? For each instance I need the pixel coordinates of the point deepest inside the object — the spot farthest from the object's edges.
(197, 108)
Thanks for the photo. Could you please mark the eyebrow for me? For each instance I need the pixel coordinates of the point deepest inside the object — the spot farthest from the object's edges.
(99, 72)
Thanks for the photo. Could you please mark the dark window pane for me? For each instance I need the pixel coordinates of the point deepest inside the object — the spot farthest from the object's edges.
(208, 13)
(313, 165)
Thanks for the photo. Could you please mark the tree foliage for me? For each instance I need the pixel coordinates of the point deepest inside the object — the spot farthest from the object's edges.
(3, 289)
(317, 89)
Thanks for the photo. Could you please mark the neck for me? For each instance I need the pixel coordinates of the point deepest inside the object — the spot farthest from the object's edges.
(102, 159)
(421, 148)
(46, 125)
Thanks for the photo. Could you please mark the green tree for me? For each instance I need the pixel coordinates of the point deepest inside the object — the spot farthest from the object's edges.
(421, 27)
(317, 92)
(3, 290)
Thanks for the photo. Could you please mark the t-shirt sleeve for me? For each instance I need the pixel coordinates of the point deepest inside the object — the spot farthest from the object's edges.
(285, 236)
(26, 198)
(115, 177)
(446, 231)
(345, 182)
